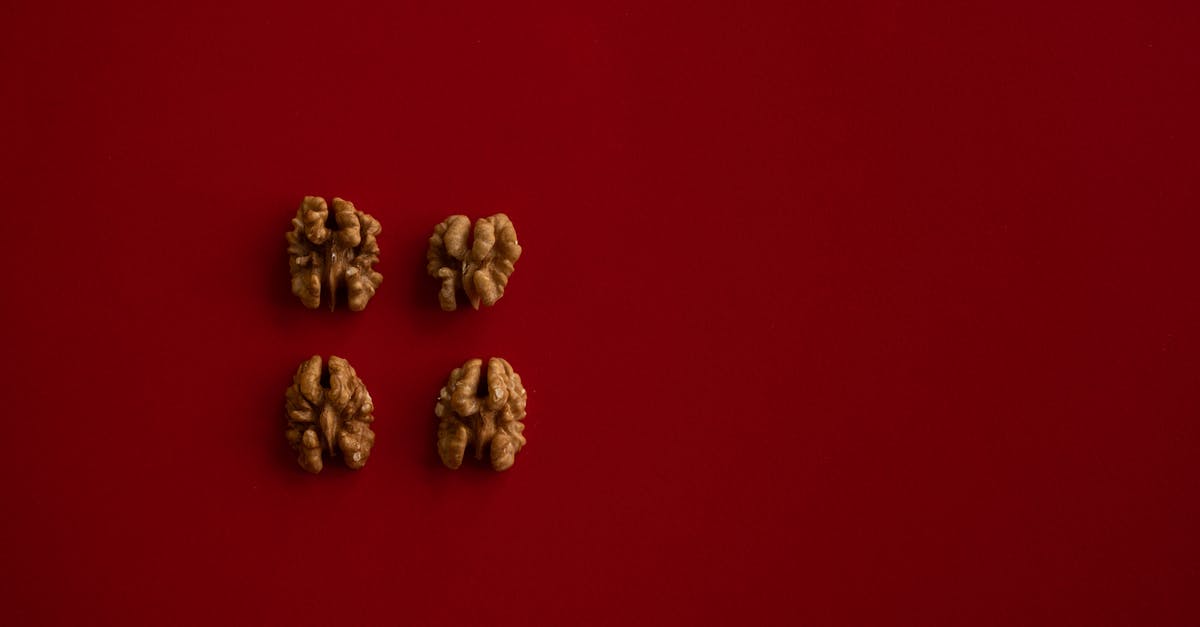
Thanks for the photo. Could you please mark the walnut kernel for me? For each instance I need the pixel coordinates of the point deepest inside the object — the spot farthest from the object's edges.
(329, 410)
(485, 412)
(479, 268)
(328, 250)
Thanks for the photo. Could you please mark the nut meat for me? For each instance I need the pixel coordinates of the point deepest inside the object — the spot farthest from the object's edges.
(331, 250)
(481, 270)
(483, 412)
(329, 410)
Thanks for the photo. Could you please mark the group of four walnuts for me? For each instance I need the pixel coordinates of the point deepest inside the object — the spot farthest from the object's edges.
(328, 409)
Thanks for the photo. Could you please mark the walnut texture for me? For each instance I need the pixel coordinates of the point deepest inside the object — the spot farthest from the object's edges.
(480, 267)
(330, 250)
(483, 412)
(329, 410)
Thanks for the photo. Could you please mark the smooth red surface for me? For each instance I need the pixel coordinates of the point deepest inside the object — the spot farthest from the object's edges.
(830, 313)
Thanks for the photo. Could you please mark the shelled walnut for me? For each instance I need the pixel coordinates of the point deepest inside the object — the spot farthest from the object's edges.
(482, 412)
(329, 250)
(329, 410)
(481, 270)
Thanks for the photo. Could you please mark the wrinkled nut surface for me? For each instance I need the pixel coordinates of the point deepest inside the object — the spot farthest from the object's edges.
(482, 412)
(479, 267)
(328, 250)
(329, 411)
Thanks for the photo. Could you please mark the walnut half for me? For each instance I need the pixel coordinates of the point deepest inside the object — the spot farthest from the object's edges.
(328, 250)
(481, 267)
(329, 410)
(484, 412)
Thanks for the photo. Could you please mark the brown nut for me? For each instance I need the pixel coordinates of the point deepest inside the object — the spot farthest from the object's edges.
(329, 410)
(481, 412)
(331, 250)
(479, 268)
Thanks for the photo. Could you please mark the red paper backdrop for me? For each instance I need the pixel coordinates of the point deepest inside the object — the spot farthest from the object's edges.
(854, 313)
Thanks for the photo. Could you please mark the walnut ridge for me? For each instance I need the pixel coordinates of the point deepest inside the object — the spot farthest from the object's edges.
(481, 267)
(482, 412)
(328, 251)
(329, 411)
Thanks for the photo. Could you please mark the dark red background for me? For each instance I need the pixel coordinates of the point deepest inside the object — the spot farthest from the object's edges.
(830, 313)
